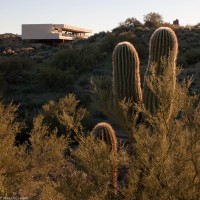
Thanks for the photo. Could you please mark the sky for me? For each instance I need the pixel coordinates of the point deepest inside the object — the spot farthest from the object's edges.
(101, 15)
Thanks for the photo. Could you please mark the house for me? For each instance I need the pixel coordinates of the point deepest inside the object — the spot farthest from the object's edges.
(54, 32)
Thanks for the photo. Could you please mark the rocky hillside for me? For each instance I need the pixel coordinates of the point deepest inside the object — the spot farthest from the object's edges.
(34, 73)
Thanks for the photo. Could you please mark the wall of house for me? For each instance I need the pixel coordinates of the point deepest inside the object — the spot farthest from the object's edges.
(38, 31)
(52, 31)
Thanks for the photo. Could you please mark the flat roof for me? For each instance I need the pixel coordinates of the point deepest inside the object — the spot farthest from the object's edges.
(72, 28)
(66, 27)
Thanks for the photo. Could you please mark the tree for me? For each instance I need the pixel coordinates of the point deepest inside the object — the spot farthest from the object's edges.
(153, 19)
(132, 22)
(197, 25)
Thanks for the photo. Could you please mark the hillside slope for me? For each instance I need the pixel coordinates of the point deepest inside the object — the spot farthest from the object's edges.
(34, 73)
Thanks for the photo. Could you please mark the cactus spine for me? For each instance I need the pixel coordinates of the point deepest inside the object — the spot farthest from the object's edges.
(163, 47)
(105, 132)
(126, 73)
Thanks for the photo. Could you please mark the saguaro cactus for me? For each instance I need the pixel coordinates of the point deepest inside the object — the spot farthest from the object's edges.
(126, 73)
(163, 50)
(105, 132)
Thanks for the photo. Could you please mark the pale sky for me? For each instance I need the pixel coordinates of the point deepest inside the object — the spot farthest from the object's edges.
(101, 15)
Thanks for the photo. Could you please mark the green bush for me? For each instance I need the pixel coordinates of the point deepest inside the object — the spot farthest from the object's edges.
(167, 154)
(3, 85)
(81, 60)
(15, 65)
(58, 79)
(108, 42)
(64, 58)
(65, 115)
(23, 168)
(128, 36)
(192, 56)
(142, 50)
(88, 58)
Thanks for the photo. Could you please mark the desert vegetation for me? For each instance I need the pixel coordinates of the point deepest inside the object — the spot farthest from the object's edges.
(111, 117)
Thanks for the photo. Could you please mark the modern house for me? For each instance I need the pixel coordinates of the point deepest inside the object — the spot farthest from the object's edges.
(55, 32)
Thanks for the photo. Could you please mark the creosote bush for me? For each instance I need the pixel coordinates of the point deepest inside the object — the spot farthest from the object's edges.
(65, 115)
(39, 169)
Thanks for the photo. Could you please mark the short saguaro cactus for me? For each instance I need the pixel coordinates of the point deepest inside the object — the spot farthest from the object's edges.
(105, 132)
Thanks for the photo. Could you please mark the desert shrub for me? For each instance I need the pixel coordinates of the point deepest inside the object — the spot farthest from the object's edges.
(121, 28)
(192, 56)
(108, 42)
(34, 165)
(10, 156)
(44, 159)
(101, 94)
(81, 60)
(64, 58)
(38, 58)
(15, 65)
(55, 78)
(128, 36)
(96, 36)
(25, 170)
(102, 102)
(3, 85)
(111, 40)
(65, 115)
(96, 160)
(87, 176)
(88, 58)
(163, 162)
(142, 50)
(166, 154)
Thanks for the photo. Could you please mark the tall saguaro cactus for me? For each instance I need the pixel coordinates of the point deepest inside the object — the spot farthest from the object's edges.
(105, 132)
(126, 73)
(163, 50)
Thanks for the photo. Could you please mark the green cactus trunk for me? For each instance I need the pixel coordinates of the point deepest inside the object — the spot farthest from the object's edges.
(126, 73)
(105, 132)
(162, 60)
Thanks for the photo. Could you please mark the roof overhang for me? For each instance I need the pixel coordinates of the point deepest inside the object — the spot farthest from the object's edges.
(66, 27)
